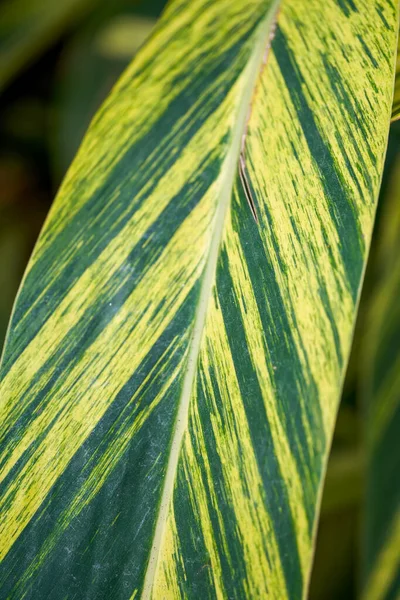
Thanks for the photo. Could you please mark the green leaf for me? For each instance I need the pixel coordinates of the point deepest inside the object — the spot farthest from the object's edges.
(28, 26)
(174, 364)
(381, 393)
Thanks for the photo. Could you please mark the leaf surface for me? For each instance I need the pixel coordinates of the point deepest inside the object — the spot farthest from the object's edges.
(173, 366)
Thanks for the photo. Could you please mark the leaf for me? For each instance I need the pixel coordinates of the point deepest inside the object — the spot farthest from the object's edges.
(173, 367)
(381, 393)
(28, 26)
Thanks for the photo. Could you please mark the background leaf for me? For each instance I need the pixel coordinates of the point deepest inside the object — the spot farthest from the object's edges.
(396, 97)
(91, 64)
(381, 391)
(27, 26)
(339, 546)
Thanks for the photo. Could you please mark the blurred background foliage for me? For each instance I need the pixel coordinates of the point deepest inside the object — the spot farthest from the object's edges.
(58, 61)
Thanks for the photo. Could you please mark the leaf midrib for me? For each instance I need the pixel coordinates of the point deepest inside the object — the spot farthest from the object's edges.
(229, 169)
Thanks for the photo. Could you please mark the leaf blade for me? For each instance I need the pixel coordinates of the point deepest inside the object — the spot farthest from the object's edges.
(100, 337)
(302, 478)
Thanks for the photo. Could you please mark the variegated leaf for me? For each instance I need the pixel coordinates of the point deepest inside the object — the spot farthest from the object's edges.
(174, 365)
